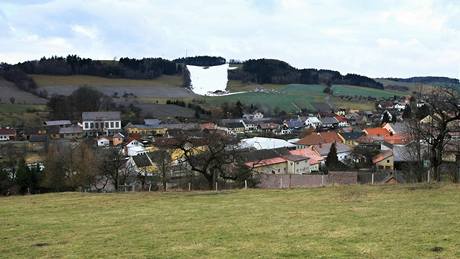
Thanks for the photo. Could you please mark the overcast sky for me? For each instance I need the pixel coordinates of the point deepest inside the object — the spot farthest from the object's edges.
(375, 38)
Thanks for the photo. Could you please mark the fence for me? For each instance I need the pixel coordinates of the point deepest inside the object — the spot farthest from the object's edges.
(275, 181)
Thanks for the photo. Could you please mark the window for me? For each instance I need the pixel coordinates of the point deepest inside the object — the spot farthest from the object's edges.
(86, 125)
(388, 161)
(91, 125)
(111, 124)
(117, 124)
(106, 124)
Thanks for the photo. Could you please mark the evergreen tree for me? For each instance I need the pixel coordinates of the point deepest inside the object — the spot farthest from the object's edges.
(332, 161)
(407, 113)
(23, 177)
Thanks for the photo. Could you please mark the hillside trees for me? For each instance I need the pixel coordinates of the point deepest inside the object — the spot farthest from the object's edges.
(271, 71)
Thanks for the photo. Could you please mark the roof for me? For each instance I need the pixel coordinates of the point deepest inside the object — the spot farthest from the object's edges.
(329, 120)
(266, 162)
(324, 149)
(398, 127)
(118, 135)
(369, 139)
(382, 156)
(397, 139)
(233, 125)
(295, 158)
(142, 160)
(264, 143)
(341, 118)
(295, 123)
(379, 132)
(97, 116)
(58, 123)
(5, 131)
(255, 155)
(351, 135)
(313, 119)
(269, 125)
(152, 122)
(314, 157)
(38, 138)
(71, 130)
(319, 138)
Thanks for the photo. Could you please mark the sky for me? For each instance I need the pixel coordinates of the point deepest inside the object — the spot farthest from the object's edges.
(384, 38)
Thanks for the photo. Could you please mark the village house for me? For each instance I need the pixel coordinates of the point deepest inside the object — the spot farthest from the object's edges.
(318, 138)
(312, 122)
(384, 160)
(118, 139)
(58, 123)
(343, 151)
(343, 122)
(103, 142)
(269, 127)
(7, 134)
(146, 130)
(287, 164)
(329, 123)
(253, 116)
(350, 138)
(71, 132)
(376, 132)
(314, 159)
(101, 123)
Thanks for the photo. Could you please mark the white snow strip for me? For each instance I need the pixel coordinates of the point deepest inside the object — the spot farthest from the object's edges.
(206, 80)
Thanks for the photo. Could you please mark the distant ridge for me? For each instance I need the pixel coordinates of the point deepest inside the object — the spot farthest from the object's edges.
(426, 80)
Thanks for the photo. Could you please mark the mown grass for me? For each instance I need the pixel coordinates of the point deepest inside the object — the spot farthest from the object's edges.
(332, 222)
(95, 81)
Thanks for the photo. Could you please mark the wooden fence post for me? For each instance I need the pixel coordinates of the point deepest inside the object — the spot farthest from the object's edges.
(189, 186)
(245, 184)
(372, 178)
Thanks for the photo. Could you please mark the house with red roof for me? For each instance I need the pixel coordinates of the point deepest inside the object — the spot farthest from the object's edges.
(7, 134)
(318, 139)
(376, 132)
(384, 160)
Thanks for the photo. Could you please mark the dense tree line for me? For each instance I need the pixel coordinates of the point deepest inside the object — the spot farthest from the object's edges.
(205, 61)
(270, 71)
(427, 80)
(146, 68)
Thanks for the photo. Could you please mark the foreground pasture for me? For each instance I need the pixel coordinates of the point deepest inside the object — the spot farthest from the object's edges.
(347, 221)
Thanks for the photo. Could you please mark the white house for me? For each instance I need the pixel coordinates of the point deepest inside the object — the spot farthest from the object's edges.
(343, 151)
(400, 106)
(101, 123)
(313, 122)
(253, 116)
(134, 148)
(103, 142)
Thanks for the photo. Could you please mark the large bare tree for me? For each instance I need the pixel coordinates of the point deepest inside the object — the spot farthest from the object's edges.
(435, 130)
(212, 154)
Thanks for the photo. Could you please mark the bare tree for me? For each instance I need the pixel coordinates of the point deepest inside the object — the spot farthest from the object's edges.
(212, 155)
(444, 118)
(162, 160)
(111, 162)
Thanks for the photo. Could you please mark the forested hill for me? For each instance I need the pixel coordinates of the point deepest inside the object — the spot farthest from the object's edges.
(272, 71)
(427, 80)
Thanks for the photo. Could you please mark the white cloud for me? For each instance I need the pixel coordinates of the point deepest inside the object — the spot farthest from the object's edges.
(381, 38)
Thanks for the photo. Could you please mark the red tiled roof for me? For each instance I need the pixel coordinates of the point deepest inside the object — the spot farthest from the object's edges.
(379, 132)
(341, 118)
(314, 157)
(385, 154)
(320, 138)
(4, 131)
(265, 162)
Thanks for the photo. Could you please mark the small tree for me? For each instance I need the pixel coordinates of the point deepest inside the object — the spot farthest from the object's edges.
(12, 100)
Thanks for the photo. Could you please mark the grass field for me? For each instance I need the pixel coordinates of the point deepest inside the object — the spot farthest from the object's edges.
(47, 80)
(348, 90)
(22, 114)
(293, 97)
(333, 222)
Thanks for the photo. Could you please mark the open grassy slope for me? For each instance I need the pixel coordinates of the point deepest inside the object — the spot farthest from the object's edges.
(22, 114)
(332, 222)
(164, 86)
